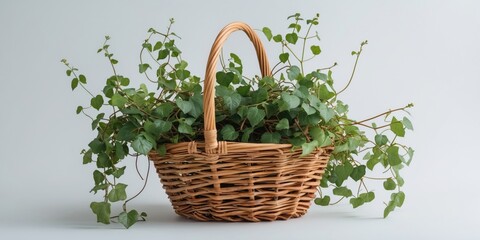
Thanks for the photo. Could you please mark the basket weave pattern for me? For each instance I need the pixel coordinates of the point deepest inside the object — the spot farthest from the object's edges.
(235, 181)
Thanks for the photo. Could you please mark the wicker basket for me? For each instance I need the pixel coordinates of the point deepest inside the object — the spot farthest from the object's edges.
(234, 181)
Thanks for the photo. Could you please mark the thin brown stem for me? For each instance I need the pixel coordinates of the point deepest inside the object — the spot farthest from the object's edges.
(354, 68)
(141, 190)
(381, 114)
(339, 200)
(136, 167)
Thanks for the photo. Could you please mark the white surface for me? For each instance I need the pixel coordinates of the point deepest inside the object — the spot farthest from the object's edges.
(426, 52)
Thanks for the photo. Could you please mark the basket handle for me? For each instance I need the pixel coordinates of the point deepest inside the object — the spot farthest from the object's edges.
(210, 131)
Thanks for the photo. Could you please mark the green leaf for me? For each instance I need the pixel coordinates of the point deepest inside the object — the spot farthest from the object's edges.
(406, 122)
(222, 91)
(162, 150)
(341, 107)
(398, 198)
(367, 197)
(97, 146)
(82, 79)
(143, 67)
(393, 157)
(397, 127)
(317, 133)
(225, 79)
(390, 207)
(320, 76)
(246, 134)
(232, 101)
(410, 153)
(103, 160)
(295, 26)
(270, 137)
(182, 74)
(79, 109)
(119, 151)
(119, 172)
(282, 124)
(323, 201)
(277, 38)
(293, 72)
(164, 110)
(291, 38)
(228, 133)
(142, 145)
(157, 46)
(98, 177)
(308, 148)
(324, 93)
(119, 100)
(102, 210)
(284, 57)
(381, 139)
(74, 83)
(259, 95)
(325, 112)
(148, 46)
(341, 147)
(185, 128)
(372, 162)
(124, 81)
(297, 141)
(308, 109)
(197, 101)
(185, 106)
(108, 91)
(118, 193)
(315, 49)
(342, 191)
(87, 157)
(127, 132)
(97, 120)
(291, 101)
(157, 127)
(162, 54)
(99, 187)
(128, 219)
(182, 65)
(69, 72)
(357, 202)
(389, 184)
(243, 90)
(97, 102)
(358, 173)
(343, 172)
(255, 115)
(236, 59)
(267, 32)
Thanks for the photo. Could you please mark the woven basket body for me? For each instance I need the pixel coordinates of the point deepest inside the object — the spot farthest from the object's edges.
(234, 181)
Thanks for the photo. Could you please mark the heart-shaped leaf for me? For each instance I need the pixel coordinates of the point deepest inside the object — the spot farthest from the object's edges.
(255, 115)
(128, 219)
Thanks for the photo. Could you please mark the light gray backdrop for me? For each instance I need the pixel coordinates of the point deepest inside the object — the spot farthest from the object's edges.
(426, 52)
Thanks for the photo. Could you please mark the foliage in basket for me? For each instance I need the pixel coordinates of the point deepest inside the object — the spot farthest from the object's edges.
(295, 106)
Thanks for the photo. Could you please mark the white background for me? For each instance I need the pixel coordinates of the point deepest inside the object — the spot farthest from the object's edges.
(425, 52)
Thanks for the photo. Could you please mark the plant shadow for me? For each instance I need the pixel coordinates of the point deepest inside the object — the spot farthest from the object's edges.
(79, 217)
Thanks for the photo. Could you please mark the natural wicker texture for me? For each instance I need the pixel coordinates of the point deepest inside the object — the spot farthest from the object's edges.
(233, 181)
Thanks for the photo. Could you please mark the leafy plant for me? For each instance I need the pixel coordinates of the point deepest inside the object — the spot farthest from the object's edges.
(293, 106)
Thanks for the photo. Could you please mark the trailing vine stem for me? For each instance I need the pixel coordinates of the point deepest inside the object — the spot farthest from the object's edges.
(354, 66)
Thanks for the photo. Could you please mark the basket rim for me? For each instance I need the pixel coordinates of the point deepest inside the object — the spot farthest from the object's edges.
(195, 146)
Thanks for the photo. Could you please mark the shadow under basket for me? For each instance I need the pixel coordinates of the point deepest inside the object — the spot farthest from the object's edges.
(243, 182)
(235, 181)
